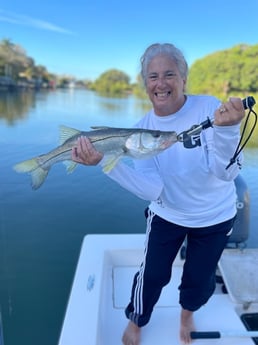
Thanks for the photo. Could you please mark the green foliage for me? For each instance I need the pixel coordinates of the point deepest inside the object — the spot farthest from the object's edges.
(112, 82)
(139, 88)
(15, 63)
(13, 59)
(225, 73)
(253, 140)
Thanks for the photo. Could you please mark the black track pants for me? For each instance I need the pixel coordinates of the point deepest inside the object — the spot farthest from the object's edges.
(163, 241)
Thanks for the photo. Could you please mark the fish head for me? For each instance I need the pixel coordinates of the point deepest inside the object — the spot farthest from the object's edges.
(147, 143)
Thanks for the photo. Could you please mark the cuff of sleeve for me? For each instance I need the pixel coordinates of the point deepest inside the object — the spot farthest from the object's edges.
(227, 131)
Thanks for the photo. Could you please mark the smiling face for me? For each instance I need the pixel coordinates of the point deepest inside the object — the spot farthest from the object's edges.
(164, 85)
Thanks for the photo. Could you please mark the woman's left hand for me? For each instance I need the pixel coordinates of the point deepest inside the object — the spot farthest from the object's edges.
(229, 113)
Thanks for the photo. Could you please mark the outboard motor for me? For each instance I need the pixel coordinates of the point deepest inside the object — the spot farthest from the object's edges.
(241, 226)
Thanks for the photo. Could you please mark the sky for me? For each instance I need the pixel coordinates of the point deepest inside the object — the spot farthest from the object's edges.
(85, 38)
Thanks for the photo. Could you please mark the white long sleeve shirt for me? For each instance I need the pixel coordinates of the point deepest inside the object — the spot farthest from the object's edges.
(188, 183)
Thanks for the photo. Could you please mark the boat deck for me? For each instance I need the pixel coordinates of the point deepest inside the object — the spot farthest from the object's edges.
(101, 290)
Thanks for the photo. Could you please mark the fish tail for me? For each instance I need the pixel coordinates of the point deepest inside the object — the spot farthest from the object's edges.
(38, 177)
(31, 166)
(26, 166)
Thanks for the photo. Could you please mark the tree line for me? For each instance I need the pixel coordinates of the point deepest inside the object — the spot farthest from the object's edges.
(226, 72)
(17, 69)
(223, 73)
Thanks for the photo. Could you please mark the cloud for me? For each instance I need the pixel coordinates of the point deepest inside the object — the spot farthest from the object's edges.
(19, 19)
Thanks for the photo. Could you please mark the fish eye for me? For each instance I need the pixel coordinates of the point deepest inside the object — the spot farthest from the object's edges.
(156, 135)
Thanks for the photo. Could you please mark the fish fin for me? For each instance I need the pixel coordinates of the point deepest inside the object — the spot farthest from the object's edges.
(110, 162)
(31, 166)
(26, 166)
(99, 127)
(66, 133)
(70, 166)
(38, 177)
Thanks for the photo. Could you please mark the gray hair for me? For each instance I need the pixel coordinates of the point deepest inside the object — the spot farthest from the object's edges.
(163, 49)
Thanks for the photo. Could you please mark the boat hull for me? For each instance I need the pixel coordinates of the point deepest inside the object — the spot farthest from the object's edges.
(101, 290)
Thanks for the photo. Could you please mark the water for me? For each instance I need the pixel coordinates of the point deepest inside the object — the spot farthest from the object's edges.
(41, 231)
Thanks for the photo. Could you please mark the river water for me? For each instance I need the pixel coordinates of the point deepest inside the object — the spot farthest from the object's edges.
(41, 231)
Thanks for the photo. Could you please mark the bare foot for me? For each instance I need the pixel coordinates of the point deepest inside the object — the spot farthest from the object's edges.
(131, 334)
(187, 326)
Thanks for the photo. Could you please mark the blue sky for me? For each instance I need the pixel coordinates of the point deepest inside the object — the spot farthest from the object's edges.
(84, 38)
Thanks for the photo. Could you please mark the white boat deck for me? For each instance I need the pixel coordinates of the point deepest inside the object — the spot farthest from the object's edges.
(101, 290)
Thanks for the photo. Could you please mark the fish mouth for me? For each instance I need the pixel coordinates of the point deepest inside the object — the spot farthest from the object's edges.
(162, 95)
(167, 143)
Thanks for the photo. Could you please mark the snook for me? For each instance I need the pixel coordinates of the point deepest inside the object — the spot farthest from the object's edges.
(114, 143)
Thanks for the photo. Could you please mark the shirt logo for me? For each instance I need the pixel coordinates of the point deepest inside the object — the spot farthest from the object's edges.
(191, 141)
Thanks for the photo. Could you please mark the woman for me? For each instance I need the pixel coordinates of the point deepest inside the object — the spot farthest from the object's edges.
(192, 193)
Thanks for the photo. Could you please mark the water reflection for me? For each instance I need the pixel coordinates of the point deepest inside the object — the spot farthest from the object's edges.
(130, 103)
(15, 105)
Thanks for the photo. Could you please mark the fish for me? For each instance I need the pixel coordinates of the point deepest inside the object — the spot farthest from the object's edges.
(113, 143)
